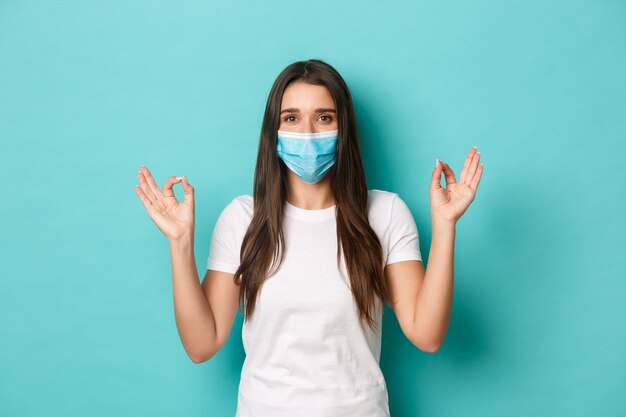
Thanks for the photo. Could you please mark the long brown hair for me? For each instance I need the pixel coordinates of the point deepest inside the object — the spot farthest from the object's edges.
(264, 239)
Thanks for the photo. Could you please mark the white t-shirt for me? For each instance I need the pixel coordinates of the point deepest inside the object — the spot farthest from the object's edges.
(306, 352)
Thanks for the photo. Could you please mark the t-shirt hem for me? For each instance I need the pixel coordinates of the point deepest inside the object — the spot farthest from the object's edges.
(376, 405)
(222, 266)
(407, 256)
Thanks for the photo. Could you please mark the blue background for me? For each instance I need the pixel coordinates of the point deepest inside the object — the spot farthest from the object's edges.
(91, 90)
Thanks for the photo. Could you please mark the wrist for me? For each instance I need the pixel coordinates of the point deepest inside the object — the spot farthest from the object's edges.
(442, 223)
(184, 241)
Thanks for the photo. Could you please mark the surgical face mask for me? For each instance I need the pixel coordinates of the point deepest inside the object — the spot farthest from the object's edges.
(309, 155)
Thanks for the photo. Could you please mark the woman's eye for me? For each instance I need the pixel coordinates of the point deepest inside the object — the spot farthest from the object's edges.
(324, 118)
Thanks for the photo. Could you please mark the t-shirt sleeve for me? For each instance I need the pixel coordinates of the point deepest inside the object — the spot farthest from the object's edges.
(402, 234)
(226, 240)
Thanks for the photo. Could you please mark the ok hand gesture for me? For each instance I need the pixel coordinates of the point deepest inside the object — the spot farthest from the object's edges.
(449, 204)
(173, 218)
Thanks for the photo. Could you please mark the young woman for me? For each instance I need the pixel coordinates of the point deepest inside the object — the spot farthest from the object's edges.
(310, 258)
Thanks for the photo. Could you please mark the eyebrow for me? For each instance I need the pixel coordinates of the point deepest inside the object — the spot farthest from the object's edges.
(320, 110)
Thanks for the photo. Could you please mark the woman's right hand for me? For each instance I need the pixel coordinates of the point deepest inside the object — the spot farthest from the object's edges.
(173, 218)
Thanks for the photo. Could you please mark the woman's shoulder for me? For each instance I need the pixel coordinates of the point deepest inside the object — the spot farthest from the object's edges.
(380, 203)
(378, 194)
(389, 213)
(239, 208)
(380, 199)
(245, 200)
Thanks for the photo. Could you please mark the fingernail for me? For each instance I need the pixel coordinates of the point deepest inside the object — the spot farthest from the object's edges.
(474, 146)
(179, 178)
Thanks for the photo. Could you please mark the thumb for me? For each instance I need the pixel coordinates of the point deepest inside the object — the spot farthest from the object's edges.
(435, 182)
(188, 189)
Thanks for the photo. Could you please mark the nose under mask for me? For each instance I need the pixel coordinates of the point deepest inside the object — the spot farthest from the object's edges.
(309, 155)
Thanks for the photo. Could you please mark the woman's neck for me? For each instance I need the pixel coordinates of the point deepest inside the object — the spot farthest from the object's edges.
(309, 196)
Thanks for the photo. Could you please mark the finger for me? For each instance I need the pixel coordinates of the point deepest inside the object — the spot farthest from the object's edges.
(472, 168)
(151, 189)
(147, 202)
(169, 184)
(187, 188)
(151, 183)
(143, 184)
(189, 191)
(476, 179)
(153, 211)
(448, 173)
(435, 182)
(466, 165)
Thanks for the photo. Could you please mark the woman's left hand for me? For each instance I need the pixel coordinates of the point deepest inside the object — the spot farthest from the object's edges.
(449, 204)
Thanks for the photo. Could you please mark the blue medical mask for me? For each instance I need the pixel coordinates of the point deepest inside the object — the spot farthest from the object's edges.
(309, 155)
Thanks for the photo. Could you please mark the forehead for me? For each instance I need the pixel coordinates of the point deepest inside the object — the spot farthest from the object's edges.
(306, 96)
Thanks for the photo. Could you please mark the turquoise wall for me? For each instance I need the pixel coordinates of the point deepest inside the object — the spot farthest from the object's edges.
(91, 90)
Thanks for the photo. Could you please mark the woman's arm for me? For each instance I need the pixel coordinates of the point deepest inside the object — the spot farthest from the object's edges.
(194, 319)
(433, 305)
(422, 300)
(204, 312)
